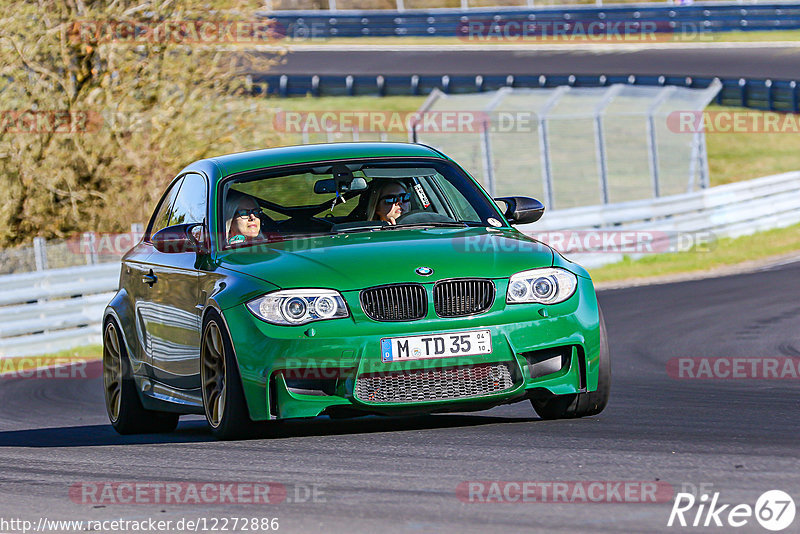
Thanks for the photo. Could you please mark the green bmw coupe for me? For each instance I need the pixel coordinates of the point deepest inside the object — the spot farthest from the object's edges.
(343, 280)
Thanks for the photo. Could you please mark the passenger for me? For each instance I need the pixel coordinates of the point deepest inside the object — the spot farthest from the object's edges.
(388, 202)
(242, 218)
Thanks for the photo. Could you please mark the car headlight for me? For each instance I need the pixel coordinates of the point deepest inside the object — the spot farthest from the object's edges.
(299, 306)
(543, 286)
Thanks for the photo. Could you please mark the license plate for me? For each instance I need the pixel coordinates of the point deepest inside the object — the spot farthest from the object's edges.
(395, 349)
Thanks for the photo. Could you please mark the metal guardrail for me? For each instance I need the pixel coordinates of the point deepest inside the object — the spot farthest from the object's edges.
(683, 22)
(334, 7)
(53, 310)
(705, 17)
(764, 94)
(729, 210)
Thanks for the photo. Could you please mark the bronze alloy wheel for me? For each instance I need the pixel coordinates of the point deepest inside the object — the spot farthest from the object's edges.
(125, 410)
(212, 373)
(112, 371)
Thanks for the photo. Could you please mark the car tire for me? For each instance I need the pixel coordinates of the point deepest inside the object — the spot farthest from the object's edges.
(581, 404)
(223, 397)
(123, 405)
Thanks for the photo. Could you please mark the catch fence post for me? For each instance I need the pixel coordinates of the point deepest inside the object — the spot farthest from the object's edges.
(40, 253)
(652, 144)
(89, 244)
(544, 145)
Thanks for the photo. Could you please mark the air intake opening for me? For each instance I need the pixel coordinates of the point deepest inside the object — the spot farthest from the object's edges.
(318, 381)
(316, 387)
(548, 361)
(421, 385)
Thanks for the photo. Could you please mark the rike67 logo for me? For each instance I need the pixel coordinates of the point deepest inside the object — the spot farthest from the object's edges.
(774, 510)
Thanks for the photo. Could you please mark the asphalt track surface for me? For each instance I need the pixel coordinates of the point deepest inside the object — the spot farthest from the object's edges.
(727, 61)
(737, 437)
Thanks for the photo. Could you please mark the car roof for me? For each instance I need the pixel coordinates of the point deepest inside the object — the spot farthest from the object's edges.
(222, 166)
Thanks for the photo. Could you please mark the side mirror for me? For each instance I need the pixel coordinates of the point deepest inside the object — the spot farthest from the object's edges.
(180, 238)
(522, 210)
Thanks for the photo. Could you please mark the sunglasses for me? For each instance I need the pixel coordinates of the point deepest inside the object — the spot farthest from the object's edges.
(394, 199)
(247, 213)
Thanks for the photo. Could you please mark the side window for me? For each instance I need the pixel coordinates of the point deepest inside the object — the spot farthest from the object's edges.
(190, 204)
(164, 210)
(461, 205)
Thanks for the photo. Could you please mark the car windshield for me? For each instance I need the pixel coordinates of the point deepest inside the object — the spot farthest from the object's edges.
(350, 197)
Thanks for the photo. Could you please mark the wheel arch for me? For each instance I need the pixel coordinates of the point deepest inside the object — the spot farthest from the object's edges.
(253, 391)
(119, 311)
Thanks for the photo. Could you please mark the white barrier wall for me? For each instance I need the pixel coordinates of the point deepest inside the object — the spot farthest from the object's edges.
(53, 310)
(730, 210)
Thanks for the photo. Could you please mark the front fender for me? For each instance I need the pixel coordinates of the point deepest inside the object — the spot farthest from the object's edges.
(231, 288)
(226, 289)
(564, 263)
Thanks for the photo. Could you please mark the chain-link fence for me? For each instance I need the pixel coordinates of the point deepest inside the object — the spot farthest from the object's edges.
(88, 248)
(573, 146)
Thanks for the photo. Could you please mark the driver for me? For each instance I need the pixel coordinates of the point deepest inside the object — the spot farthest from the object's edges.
(388, 202)
(242, 218)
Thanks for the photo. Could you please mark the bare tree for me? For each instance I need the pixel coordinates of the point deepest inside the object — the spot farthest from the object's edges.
(102, 102)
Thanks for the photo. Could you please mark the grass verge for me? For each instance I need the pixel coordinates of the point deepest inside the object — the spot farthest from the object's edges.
(733, 157)
(722, 253)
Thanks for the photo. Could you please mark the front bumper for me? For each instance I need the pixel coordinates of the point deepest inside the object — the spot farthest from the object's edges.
(279, 363)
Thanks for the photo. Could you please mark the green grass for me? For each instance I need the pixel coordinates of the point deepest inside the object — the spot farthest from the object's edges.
(722, 253)
(760, 36)
(733, 157)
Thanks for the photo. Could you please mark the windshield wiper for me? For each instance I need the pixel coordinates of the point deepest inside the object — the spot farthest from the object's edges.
(356, 229)
(277, 238)
(401, 226)
(433, 224)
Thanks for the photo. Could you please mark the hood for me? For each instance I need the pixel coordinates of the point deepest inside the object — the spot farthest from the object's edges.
(357, 260)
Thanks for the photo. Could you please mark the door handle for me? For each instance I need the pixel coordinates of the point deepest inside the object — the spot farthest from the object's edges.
(150, 278)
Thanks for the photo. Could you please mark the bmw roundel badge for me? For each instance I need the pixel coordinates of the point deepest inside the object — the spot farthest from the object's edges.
(424, 271)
